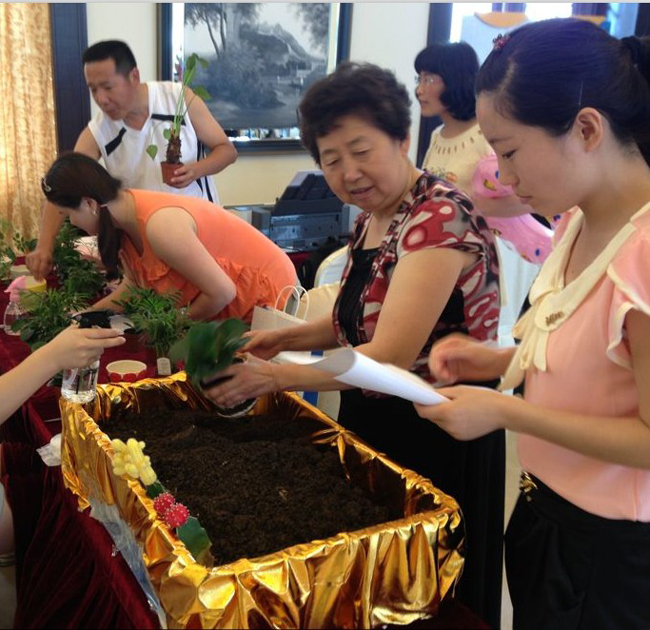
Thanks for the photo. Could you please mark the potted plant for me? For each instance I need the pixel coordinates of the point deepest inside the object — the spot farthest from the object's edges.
(47, 314)
(44, 315)
(75, 273)
(158, 319)
(208, 348)
(9, 248)
(173, 134)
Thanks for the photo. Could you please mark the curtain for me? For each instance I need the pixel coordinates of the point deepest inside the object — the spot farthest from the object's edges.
(27, 115)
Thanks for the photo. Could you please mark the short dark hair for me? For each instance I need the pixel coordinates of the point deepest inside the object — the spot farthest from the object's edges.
(354, 88)
(113, 49)
(542, 74)
(457, 65)
(74, 176)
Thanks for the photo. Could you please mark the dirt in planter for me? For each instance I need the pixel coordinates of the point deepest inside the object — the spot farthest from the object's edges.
(256, 484)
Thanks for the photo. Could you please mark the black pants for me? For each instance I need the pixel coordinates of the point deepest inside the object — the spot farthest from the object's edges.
(568, 569)
(471, 472)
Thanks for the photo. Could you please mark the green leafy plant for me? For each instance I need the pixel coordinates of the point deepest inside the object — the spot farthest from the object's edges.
(75, 273)
(156, 317)
(47, 314)
(10, 249)
(173, 134)
(23, 245)
(209, 347)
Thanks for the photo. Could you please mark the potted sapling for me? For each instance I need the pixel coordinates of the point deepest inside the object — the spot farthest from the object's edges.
(158, 319)
(173, 134)
(208, 348)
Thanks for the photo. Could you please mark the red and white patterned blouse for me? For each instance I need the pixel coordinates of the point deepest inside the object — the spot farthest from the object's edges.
(433, 214)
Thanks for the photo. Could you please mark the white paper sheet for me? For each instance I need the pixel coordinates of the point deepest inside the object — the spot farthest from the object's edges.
(354, 368)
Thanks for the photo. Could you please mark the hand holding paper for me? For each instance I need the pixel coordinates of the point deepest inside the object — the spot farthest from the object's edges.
(354, 368)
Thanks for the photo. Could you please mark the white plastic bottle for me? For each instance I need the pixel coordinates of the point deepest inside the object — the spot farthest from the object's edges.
(12, 312)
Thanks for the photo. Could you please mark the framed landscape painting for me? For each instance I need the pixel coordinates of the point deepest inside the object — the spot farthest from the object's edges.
(261, 57)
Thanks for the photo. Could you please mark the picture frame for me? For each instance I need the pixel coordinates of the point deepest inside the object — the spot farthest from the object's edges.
(261, 57)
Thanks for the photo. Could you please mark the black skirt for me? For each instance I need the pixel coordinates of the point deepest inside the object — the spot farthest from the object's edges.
(569, 569)
(471, 472)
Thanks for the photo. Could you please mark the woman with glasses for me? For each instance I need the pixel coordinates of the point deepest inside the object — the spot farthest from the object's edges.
(446, 74)
(459, 153)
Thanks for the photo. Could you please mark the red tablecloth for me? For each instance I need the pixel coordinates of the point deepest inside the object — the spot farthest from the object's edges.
(67, 575)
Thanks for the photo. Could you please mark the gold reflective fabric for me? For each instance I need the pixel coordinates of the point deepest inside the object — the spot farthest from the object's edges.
(395, 572)
(28, 128)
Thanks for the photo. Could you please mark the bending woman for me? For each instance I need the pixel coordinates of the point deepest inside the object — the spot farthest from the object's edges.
(221, 265)
(421, 266)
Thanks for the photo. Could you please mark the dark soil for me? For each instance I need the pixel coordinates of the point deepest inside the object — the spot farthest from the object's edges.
(256, 484)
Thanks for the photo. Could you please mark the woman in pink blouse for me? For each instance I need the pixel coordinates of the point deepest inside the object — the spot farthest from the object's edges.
(421, 266)
(566, 107)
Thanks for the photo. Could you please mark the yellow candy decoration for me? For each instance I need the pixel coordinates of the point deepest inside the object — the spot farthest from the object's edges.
(129, 459)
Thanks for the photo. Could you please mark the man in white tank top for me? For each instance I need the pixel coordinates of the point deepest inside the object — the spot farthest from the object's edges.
(132, 116)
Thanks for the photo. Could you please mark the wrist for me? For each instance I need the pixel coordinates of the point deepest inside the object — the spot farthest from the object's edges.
(512, 412)
(44, 359)
(282, 377)
(502, 358)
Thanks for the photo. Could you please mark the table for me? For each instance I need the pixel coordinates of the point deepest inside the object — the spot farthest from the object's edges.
(66, 574)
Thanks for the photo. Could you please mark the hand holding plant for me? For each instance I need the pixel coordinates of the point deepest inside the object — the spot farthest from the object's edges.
(209, 347)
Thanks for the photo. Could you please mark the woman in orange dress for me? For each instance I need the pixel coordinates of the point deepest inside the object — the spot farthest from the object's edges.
(221, 265)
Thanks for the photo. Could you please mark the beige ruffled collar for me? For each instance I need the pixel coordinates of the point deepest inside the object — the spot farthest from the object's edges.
(553, 302)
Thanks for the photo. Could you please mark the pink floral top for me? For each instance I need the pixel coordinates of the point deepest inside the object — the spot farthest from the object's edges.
(433, 214)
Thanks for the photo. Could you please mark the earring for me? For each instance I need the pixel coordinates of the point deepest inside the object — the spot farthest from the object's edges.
(95, 213)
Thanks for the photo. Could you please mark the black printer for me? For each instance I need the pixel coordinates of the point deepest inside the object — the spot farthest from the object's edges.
(304, 216)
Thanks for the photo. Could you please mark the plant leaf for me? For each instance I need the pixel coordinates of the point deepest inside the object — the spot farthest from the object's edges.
(154, 489)
(194, 537)
(152, 151)
(202, 93)
(167, 133)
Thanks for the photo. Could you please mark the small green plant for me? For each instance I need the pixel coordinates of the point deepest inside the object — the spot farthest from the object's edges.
(47, 314)
(173, 134)
(156, 317)
(209, 347)
(11, 249)
(75, 273)
(23, 245)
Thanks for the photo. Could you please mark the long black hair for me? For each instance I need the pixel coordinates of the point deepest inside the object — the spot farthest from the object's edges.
(74, 176)
(543, 73)
(457, 65)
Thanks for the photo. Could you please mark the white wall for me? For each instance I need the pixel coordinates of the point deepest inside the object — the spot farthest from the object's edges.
(389, 34)
(133, 22)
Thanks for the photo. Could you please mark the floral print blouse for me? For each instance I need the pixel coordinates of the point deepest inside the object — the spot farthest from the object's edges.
(433, 214)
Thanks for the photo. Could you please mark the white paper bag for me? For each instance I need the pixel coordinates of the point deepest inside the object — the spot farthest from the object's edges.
(267, 318)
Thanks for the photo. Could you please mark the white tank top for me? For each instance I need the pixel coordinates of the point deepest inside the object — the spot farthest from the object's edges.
(124, 148)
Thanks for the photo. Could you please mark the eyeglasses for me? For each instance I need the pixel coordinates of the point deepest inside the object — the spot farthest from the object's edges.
(428, 79)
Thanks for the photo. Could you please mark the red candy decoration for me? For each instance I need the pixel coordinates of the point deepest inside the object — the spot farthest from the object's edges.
(176, 515)
(163, 502)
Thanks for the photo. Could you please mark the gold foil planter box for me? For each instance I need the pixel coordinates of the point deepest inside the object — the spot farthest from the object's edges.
(396, 572)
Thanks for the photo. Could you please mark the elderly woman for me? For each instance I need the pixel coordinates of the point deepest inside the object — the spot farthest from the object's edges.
(221, 265)
(421, 266)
